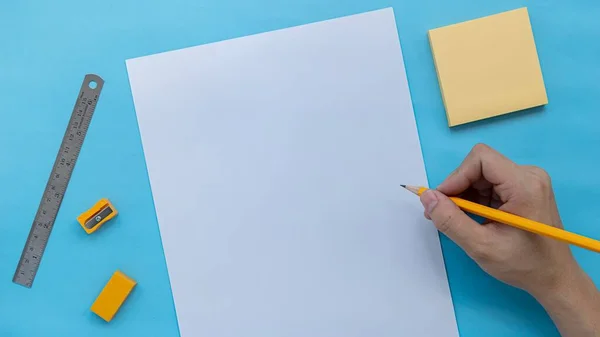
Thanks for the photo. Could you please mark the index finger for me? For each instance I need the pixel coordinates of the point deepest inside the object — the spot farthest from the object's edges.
(482, 163)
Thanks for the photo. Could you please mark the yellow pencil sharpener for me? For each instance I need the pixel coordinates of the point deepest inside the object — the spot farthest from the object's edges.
(95, 217)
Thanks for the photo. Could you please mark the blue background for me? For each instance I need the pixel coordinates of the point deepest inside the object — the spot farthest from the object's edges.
(46, 47)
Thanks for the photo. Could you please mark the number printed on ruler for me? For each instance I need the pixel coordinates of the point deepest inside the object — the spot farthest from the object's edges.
(59, 180)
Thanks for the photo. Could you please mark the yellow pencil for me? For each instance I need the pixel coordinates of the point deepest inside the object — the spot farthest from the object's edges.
(519, 222)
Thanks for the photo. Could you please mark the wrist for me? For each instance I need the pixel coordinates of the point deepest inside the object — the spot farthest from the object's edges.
(564, 286)
(573, 304)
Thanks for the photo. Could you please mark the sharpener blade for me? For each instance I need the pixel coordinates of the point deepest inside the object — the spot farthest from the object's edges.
(98, 217)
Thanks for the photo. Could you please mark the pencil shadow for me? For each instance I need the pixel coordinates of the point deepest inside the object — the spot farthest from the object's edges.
(499, 119)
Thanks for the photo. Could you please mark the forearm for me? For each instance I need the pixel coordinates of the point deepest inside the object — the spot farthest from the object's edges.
(574, 306)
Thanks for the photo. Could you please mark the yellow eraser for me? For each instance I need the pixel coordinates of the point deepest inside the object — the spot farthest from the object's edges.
(96, 216)
(488, 67)
(112, 296)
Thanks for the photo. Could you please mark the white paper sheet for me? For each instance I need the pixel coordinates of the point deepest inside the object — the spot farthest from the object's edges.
(275, 162)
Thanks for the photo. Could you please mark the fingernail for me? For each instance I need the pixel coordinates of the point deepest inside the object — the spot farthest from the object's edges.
(429, 200)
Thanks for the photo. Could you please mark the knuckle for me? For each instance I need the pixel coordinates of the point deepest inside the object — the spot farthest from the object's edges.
(540, 179)
(445, 225)
(480, 148)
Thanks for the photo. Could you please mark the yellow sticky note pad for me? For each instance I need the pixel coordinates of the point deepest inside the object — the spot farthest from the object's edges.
(112, 296)
(488, 67)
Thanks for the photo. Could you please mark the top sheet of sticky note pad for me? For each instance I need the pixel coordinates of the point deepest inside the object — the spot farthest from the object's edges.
(488, 67)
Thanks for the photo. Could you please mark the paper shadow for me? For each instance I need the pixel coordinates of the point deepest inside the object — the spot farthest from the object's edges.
(499, 119)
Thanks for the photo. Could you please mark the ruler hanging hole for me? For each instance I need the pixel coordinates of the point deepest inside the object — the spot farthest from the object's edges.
(93, 85)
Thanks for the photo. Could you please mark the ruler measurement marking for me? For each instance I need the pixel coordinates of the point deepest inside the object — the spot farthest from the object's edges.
(58, 181)
(82, 117)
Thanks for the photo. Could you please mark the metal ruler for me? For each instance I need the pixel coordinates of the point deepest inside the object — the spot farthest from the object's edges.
(58, 181)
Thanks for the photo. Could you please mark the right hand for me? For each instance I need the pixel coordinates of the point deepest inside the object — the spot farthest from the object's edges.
(534, 263)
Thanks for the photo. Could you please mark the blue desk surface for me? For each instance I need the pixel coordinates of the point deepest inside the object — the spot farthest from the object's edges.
(47, 46)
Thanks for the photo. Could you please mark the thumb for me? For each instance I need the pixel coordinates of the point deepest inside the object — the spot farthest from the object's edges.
(451, 220)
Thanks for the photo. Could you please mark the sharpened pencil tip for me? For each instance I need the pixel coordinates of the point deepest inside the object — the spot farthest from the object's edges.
(411, 189)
